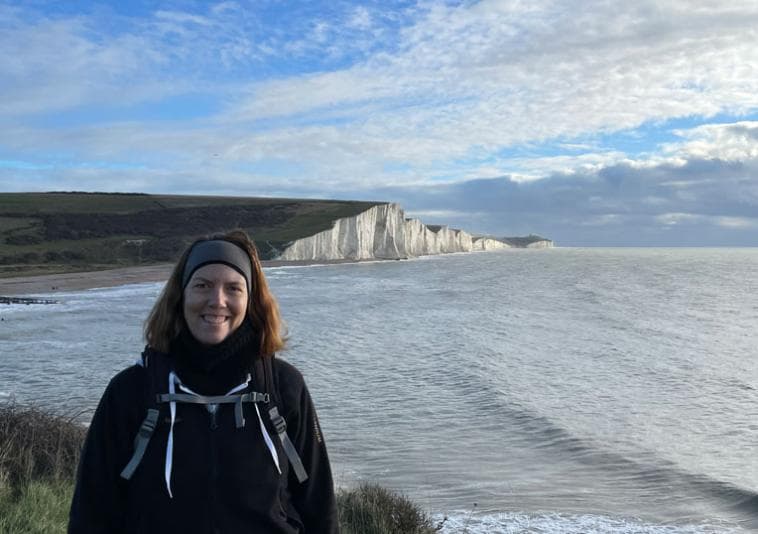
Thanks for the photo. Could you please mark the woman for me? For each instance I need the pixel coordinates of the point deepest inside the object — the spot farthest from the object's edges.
(191, 439)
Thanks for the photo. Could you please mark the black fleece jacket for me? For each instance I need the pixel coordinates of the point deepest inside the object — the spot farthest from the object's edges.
(223, 478)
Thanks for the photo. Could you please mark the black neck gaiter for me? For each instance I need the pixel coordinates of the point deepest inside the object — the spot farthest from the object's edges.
(215, 369)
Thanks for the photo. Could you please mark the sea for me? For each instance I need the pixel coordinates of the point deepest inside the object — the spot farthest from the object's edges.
(568, 390)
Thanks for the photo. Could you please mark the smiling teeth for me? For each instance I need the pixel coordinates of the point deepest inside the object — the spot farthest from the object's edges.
(215, 319)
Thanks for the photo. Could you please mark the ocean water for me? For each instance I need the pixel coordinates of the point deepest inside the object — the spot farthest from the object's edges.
(522, 391)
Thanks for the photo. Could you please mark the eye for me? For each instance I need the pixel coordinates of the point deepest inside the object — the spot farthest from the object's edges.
(199, 285)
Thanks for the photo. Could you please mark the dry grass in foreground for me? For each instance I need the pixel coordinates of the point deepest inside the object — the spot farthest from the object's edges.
(36, 445)
(39, 452)
(372, 509)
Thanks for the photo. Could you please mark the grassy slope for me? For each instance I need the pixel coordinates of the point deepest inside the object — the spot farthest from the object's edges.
(35, 508)
(59, 232)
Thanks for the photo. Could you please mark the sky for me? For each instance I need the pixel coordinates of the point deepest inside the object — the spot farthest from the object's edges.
(594, 123)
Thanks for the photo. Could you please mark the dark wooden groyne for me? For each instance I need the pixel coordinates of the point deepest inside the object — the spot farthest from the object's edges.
(26, 300)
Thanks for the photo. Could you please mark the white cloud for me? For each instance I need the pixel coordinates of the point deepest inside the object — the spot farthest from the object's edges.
(537, 167)
(181, 18)
(602, 220)
(737, 222)
(728, 142)
(360, 18)
(60, 64)
(491, 75)
(740, 223)
(671, 219)
(446, 215)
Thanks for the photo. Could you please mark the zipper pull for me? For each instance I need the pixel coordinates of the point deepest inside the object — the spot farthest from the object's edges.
(213, 410)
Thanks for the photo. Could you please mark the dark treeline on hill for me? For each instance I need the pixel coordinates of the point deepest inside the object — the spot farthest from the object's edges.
(64, 231)
(92, 193)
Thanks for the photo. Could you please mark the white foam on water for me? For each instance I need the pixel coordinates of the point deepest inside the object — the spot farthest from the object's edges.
(124, 290)
(279, 271)
(547, 523)
(128, 289)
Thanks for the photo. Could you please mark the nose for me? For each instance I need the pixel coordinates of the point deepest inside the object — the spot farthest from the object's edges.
(217, 297)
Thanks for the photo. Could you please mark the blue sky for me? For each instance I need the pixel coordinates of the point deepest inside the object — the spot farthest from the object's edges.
(593, 123)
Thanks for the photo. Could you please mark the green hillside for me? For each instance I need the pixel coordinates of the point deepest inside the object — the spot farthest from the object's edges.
(59, 232)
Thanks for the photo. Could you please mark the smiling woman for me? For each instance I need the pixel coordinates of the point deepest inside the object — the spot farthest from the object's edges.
(214, 303)
(193, 464)
(216, 280)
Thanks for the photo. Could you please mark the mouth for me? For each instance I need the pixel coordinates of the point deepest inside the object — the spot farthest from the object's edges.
(214, 319)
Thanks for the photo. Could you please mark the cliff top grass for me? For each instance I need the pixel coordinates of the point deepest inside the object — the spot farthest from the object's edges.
(46, 233)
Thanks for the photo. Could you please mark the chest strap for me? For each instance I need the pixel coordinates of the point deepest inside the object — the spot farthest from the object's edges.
(278, 421)
(142, 439)
(237, 400)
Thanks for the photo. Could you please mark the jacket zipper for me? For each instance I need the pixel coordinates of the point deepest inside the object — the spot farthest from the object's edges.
(213, 411)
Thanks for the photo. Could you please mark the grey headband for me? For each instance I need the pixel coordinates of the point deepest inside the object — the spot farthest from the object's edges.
(218, 251)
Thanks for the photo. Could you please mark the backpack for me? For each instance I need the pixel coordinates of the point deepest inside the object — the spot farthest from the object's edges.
(158, 371)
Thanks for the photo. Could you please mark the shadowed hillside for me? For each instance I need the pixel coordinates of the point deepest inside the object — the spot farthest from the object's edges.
(58, 232)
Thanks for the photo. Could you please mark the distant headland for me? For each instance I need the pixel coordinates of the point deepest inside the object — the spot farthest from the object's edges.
(63, 232)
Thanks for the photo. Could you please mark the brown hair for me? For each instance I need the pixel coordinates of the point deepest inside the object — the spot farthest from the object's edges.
(166, 319)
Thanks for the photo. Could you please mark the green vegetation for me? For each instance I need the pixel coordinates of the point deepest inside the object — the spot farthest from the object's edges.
(59, 232)
(39, 452)
(371, 509)
(38, 457)
(37, 446)
(35, 508)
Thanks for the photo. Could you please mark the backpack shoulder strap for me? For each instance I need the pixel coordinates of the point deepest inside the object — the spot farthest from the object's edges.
(264, 371)
(154, 366)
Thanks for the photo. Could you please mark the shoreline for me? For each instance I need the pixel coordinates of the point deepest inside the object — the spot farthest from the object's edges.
(51, 284)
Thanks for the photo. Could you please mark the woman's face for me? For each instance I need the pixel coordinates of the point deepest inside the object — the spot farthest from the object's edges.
(215, 303)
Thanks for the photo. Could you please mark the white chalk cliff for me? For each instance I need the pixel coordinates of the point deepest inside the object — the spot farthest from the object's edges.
(383, 232)
(543, 243)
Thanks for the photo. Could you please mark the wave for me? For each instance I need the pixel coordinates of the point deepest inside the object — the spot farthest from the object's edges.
(462, 522)
(125, 289)
(646, 471)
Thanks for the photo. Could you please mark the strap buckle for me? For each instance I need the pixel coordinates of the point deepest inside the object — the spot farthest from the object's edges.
(148, 425)
(279, 423)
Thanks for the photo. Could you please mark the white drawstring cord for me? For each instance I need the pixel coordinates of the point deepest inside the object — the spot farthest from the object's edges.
(267, 439)
(174, 380)
(170, 444)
